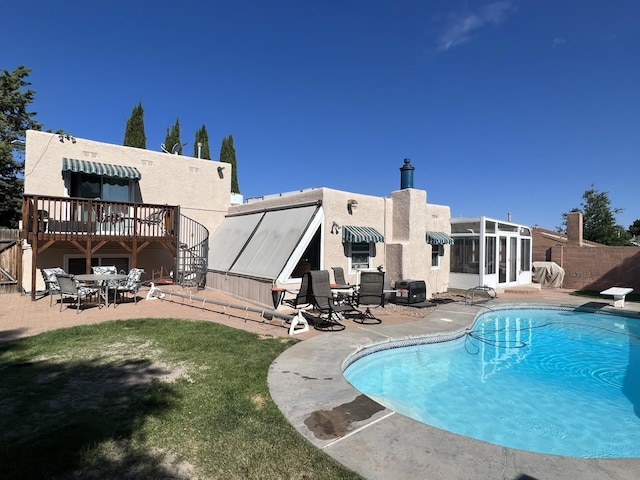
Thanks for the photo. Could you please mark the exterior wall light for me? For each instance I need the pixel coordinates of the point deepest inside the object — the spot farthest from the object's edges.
(351, 206)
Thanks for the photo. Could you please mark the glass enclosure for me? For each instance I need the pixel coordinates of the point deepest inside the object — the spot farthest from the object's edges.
(489, 252)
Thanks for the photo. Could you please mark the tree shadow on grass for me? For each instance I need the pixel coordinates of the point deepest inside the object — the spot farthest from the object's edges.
(81, 419)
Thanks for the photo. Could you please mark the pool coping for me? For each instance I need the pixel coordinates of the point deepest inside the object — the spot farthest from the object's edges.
(307, 384)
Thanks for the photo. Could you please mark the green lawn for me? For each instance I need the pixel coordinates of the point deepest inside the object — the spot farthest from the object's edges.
(148, 399)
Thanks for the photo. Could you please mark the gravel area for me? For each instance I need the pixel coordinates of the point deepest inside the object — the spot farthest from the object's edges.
(420, 312)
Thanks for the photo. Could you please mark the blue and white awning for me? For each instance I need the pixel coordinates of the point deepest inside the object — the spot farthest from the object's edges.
(104, 169)
(439, 238)
(353, 234)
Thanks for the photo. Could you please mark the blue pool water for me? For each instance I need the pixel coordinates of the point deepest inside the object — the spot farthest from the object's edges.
(549, 381)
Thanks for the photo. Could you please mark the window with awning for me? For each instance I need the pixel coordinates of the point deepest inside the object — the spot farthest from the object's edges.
(439, 238)
(102, 169)
(357, 234)
(100, 180)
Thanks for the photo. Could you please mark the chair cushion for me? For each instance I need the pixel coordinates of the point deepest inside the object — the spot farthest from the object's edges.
(109, 270)
(105, 269)
(49, 275)
(133, 280)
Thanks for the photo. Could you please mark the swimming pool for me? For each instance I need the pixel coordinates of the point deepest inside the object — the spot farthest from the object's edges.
(554, 381)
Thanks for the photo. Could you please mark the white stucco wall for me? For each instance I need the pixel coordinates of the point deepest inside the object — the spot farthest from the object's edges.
(403, 219)
(408, 253)
(191, 183)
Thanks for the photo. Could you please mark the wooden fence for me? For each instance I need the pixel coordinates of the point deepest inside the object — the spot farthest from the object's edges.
(10, 261)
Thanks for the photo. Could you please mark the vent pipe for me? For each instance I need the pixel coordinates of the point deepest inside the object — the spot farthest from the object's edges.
(406, 174)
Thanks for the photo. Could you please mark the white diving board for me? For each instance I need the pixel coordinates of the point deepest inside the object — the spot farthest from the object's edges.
(618, 294)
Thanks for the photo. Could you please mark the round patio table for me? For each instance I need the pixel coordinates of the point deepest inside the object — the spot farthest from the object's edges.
(101, 280)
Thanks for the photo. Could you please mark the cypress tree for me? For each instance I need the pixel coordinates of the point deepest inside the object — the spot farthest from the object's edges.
(228, 155)
(134, 135)
(173, 137)
(203, 138)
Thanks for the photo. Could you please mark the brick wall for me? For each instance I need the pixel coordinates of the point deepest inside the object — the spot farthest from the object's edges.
(594, 268)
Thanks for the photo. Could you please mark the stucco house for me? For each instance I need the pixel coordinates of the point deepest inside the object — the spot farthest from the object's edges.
(91, 203)
(278, 238)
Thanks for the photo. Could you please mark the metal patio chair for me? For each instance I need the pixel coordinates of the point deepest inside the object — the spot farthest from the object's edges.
(131, 285)
(371, 293)
(49, 276)
(303, 296)
(69, 288)
(324, 302)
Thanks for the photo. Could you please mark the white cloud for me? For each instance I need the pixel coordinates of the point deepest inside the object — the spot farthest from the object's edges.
(461, 26)
(558, 41)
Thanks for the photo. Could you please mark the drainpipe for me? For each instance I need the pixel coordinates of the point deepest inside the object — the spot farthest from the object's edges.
(384, 227)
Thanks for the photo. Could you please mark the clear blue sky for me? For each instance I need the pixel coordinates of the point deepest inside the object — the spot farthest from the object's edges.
(502, 106)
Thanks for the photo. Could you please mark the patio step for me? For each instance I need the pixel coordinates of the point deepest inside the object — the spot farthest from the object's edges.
(523, 290)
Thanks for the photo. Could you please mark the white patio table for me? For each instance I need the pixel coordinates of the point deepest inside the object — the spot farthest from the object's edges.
(101, 280)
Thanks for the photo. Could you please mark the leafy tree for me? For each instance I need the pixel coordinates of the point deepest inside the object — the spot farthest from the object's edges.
(203, 138)
(599, 224)
(228, 155)
(173, 137)
(14, 121)
(134, 134)
(634, 228)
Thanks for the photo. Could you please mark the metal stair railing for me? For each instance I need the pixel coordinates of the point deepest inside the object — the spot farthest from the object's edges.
(193, 252)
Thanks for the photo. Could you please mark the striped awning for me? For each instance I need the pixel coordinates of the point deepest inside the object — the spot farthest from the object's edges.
(104, 169)
(355, 234)
(438, 238)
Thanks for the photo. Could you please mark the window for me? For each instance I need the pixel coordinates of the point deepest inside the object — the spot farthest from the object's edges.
(437, 251)
(76, 264)
(464, 255)
(490, 255)
(360, 255)
(95, 186)
(525, 254)
(465, 227)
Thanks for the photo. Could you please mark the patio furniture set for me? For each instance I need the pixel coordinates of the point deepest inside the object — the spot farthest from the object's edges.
(333, 302)
(104, 280)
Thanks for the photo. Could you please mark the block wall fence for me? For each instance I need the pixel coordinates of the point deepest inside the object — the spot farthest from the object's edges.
(594, 268)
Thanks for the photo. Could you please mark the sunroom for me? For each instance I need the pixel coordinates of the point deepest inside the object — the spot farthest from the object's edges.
(489, 252)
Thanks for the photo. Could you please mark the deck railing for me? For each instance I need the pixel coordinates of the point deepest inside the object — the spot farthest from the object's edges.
(61, 218)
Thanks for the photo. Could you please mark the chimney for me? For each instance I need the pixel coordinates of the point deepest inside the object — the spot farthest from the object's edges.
(574, 229)
(406, 174)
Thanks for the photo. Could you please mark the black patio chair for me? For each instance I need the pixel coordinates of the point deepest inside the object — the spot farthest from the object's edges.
(344, 290)
(338, 276)
(324, 302)
(303, 296)
(371, 293)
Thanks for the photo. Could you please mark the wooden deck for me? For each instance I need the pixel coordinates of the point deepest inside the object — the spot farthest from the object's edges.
(89, 224)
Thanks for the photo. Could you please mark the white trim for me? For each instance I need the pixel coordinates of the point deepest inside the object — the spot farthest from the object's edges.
(285, 274)
(350, 267)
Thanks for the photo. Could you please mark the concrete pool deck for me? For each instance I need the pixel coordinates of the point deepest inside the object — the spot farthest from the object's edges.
(306, 382)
